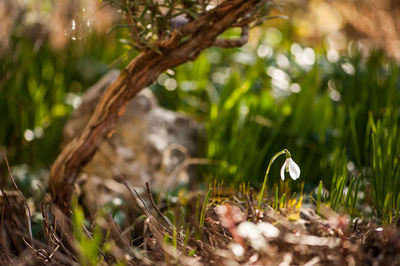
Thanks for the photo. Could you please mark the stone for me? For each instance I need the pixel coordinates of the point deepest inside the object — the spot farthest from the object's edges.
(148, 144)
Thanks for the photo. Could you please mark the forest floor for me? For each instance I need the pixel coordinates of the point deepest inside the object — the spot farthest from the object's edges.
(229, 231)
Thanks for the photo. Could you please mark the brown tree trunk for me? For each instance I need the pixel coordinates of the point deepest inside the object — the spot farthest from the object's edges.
(140, 72)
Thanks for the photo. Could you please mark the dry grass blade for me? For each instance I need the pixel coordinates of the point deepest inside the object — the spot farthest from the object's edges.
(155, 206)
(123, 243)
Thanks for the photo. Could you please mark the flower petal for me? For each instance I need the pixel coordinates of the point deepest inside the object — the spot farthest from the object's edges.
(294, 169)
(283, 168)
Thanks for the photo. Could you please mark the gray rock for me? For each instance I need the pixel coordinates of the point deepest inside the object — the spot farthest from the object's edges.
(149, 141)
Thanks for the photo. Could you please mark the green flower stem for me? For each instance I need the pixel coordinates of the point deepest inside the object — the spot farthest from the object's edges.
(260, 197)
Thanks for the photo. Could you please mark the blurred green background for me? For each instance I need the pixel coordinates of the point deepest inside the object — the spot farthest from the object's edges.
(316, 84)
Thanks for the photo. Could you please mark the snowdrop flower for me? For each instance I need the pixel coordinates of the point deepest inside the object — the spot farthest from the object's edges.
(290, 166)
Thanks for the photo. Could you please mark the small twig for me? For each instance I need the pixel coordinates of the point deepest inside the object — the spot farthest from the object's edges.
(186, 163)
(123, 241)
(28, 211)
(51, 231)
(54, 251)
(251, 209)
(57, 256)
(136, 196)
(168, 153)
(43, 255)
(57, 240)
(244, 37)
(155, 206)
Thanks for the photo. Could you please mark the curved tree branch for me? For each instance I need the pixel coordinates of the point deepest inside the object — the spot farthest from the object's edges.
(183, 45)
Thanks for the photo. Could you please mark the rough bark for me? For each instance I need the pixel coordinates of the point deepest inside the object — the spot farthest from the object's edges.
(184, 45)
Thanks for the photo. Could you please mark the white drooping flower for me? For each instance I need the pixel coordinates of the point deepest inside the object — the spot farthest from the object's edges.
(290, 166)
